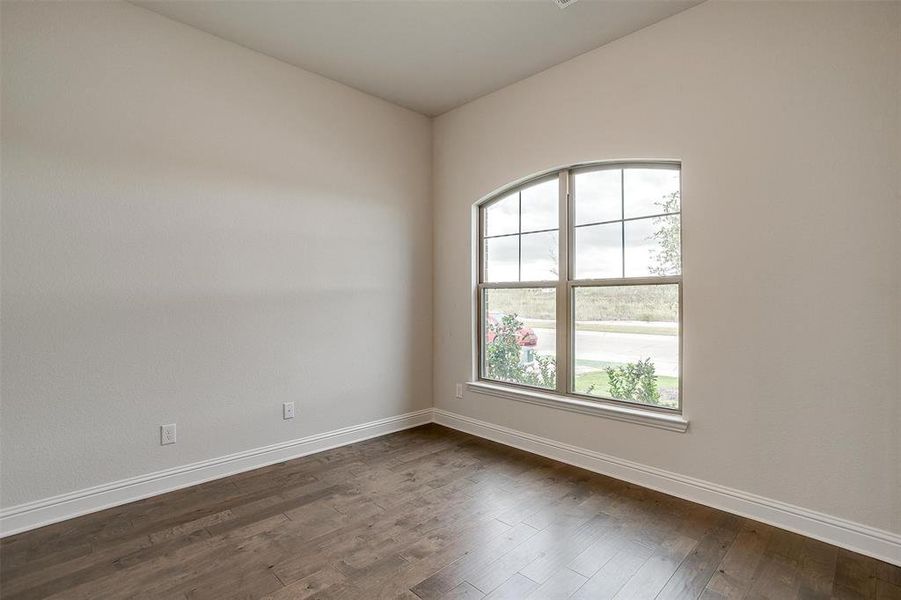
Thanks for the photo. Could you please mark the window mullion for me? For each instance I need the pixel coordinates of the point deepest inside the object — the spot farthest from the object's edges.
(622, 215)
(563, 339)
(519, 237)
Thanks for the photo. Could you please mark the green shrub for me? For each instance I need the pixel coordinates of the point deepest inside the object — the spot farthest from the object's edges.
(634, 381)
(503, 357)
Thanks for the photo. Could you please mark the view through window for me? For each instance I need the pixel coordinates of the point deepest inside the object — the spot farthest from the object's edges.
(580, 284)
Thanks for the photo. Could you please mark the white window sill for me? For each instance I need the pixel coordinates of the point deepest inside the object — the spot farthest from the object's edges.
(650, 418)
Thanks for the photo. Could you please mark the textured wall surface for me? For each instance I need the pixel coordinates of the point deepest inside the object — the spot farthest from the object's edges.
(786, 118)
(195, 233)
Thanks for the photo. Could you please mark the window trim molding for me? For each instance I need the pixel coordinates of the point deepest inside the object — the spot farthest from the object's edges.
(564, 396)
(618, 411)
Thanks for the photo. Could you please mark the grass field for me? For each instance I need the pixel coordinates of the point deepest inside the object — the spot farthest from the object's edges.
(669, 386)
(602, 384)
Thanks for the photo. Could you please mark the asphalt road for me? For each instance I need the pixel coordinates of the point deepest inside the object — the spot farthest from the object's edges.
(619, 347)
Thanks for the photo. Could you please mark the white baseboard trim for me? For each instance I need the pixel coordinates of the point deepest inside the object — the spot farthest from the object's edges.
(32, 515)
(870, 541)
(877, 543)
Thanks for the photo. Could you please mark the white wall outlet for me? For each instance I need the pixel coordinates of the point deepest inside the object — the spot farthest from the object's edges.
(459, 390)
(288, 410)
(167, 434)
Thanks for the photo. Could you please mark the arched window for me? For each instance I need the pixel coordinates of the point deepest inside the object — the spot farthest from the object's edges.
(580, 281)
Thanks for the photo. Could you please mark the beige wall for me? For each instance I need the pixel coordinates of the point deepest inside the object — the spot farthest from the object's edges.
(786, 118)
(195, 233)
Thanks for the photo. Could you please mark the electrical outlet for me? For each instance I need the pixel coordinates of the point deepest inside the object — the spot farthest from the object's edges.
(288, 410)
(167, 434)
(459, 390)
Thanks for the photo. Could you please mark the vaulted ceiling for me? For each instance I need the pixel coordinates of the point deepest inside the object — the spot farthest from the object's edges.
(429, 55)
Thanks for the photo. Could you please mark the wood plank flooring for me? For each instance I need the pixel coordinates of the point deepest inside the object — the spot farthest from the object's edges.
(424, 514)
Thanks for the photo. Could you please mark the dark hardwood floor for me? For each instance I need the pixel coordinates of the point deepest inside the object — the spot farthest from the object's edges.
(427, 513)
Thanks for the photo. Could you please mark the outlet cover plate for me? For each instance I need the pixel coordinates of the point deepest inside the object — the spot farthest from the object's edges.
(288, 410)
(167, 434)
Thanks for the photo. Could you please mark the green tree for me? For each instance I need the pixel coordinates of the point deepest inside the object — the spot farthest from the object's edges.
(634, 381)
(668, 259)
(504, 359)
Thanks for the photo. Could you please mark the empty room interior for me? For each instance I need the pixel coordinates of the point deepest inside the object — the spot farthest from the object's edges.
(450, 299)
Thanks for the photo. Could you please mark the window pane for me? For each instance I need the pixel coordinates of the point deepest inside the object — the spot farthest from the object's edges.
(650, 192)
(627, 343)
(519, 343)
(599, 251)
(598, 196)
(653, 247)
(502, 217)
(540, 206)
(502, 258)
(539, 256)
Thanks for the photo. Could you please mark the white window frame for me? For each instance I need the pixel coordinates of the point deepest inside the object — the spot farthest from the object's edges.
(565, 285)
